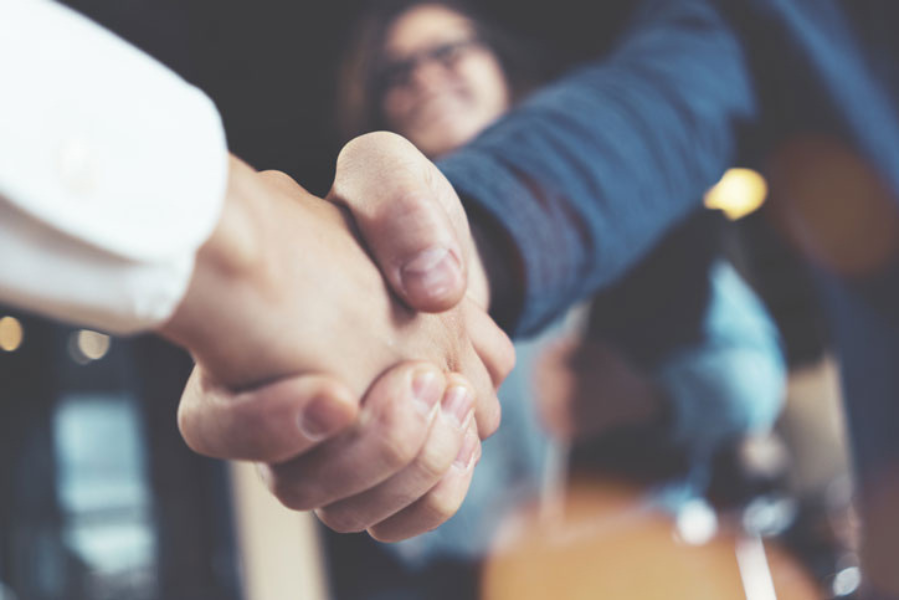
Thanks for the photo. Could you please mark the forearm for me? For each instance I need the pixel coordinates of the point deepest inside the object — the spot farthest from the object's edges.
(586, 175)
(248, 315)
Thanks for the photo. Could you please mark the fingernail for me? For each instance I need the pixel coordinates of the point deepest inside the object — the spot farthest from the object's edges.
(432, 272)
(321, 418)
(457, 404)
(466, 451)
(426, 390)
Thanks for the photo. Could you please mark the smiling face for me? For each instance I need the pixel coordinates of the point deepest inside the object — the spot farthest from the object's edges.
(441, 85)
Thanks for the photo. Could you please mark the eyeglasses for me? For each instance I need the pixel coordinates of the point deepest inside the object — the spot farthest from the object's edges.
(397, 74)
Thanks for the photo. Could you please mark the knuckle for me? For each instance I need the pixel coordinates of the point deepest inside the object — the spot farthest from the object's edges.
(433, 461)
(398, 451)
(401, 434)
(417, 221)
(291, 494)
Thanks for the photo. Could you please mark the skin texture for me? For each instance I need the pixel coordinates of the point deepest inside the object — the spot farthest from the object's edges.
(382, 464)
(329, 331)
(399, 461)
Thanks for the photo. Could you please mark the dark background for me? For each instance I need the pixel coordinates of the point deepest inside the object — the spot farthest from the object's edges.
(269, 66)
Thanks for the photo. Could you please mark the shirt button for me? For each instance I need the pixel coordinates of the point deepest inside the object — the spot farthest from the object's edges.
(76, 167)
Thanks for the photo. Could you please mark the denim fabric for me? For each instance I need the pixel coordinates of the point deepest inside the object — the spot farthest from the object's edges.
(588, 174)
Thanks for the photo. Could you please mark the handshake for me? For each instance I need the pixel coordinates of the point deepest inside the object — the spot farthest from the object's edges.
(344, 344)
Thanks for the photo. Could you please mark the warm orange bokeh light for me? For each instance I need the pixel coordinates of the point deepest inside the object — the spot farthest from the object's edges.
(832, 206)
(11, 334)
(610, 544)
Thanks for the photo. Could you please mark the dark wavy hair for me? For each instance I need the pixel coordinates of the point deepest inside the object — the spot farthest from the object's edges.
(359, 93)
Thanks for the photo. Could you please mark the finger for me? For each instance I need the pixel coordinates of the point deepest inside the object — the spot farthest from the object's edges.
(487, 405)
(441, 449)
(409, 216)
(488, 414)
(491, 344)
(395, 420)
(440, 503)
(496, 352)
(270, 423)
(484, 369)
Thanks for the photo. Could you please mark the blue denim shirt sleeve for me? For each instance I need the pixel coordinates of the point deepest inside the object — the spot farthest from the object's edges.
(587, 174)
(583, 178)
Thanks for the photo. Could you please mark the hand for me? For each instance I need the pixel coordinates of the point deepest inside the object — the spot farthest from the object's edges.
(404, 465)
(395, 465)
(283, 287)
(415, 225)
(413, 221)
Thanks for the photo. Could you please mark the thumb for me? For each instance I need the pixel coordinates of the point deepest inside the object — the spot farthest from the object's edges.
(409, 217)
(270, 423)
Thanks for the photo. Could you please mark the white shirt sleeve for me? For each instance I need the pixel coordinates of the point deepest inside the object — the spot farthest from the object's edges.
(112, 172)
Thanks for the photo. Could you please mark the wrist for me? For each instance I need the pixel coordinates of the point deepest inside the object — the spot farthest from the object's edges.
(230, 256)
(495, 270)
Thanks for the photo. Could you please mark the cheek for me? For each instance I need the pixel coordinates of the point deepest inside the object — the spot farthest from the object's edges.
(396, 110)
(488, 84)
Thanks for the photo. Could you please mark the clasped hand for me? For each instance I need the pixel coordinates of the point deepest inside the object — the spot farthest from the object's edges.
(352, 398)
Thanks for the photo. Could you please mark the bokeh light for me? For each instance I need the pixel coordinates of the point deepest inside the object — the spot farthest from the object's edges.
(86, 346)
(738, 193)
(11, 334)
(833, 206)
